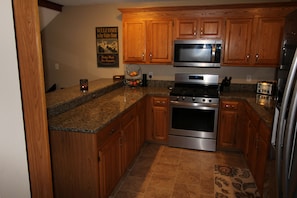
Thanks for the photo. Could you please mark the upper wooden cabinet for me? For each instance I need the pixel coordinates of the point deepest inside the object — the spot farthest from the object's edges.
(147, 41)
(198, 28)
(253, 41)
(251, 33)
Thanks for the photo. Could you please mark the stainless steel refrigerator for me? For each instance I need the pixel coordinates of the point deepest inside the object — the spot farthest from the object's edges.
(284, 133)
(284, 137)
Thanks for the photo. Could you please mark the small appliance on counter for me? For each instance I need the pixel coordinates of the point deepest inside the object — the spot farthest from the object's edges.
(265, 93)
(133, 75)
(266, 87)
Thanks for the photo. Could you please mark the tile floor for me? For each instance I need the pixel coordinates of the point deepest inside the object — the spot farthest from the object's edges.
(165, 172)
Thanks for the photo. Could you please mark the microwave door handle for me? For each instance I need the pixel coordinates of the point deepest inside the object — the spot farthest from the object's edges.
(213, 52)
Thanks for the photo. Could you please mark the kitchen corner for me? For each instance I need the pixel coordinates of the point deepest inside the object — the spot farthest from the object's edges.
(247, 92)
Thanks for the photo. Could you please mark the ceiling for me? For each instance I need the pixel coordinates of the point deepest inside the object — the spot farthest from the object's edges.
(89, 2)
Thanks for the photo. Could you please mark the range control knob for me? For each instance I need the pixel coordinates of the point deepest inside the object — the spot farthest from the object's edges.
(183, 97)
(203, 100)
(210, 101)
(177, 98)
(193, 99)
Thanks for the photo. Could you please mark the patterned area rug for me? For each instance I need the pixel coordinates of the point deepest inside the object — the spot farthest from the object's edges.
(231, 182)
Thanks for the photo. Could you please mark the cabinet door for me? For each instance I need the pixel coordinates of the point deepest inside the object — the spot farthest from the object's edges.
(141, 116)
(268, 41)
(210, 27)
(264, 136)
(227, 134)
(110, 164)
(238, 41)
(159, 41)
(129, 133)
(252, 150)
(160, 119)
(227, 124)
(186, 28)
(134, 41)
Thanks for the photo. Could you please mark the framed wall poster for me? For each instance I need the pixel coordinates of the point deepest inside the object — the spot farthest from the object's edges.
(107, 46)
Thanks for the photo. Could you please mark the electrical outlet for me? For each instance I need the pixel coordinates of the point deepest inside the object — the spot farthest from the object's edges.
(150, 75)
(248, 78)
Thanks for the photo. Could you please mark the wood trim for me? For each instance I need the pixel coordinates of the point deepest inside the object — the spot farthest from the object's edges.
(33, 96)
(211, 7)
(50, 5)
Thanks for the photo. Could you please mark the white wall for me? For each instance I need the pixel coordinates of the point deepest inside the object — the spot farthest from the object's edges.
(14, 176)
(69, 43)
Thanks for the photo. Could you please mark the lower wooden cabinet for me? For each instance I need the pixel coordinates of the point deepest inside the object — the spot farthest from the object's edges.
(91, 164)
(110, 163)
(157, 119)
(129, 135)
(242, 129)
(262, 147)
(228, 120)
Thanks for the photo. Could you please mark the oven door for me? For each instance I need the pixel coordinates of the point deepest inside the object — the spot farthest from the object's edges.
(193, 119)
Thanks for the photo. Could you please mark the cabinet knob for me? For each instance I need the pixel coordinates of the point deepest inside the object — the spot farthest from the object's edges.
(142, 56)
(257, 57)
(247, 57)
(151, 55)
(112, 131)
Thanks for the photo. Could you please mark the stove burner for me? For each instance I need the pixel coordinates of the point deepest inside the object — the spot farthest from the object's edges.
(196, 91)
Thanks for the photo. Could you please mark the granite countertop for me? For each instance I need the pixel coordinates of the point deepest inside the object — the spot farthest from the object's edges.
(62, 100)
(97, 113)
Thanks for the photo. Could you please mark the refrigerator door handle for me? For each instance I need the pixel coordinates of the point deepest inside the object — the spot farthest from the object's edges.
(282, 124)
(289, 143)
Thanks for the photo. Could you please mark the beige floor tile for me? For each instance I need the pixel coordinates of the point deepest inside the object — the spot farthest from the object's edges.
(166, 172)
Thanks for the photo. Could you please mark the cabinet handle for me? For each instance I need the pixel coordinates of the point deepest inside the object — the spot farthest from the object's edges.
(257, 57)
(112, 131)
(151, 55)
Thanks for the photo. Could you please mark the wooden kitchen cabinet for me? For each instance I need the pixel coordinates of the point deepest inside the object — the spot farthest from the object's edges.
(198, 28)
(147, 41)
(253, 41)
(267, 42)
(134, 41)
(262, 147)
(228, 120)
(158, 119)
(237, 41)
(129, 134)
(91, 164)
(250, 149)
(141, 121)
(110, 162)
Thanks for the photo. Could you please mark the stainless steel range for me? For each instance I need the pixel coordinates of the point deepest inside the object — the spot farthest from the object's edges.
(194, 105)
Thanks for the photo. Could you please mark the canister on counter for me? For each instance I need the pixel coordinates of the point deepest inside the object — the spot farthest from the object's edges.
(84, 85)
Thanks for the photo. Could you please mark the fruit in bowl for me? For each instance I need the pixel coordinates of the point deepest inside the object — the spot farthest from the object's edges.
(134, 73)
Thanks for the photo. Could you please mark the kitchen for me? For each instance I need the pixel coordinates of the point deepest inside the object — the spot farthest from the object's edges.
(171, 77)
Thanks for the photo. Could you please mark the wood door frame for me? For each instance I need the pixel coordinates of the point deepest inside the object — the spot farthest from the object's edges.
(27, 30)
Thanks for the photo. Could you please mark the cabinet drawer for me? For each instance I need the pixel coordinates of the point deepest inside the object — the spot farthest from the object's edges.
(160, 101)
(108, 131)
(230, 105)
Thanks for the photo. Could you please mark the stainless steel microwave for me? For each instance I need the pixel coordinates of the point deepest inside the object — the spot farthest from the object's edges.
(197, 53)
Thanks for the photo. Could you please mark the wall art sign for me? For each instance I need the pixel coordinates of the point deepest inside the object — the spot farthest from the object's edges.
(107, 46)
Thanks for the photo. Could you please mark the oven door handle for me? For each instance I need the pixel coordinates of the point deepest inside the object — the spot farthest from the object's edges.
(193, 104)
